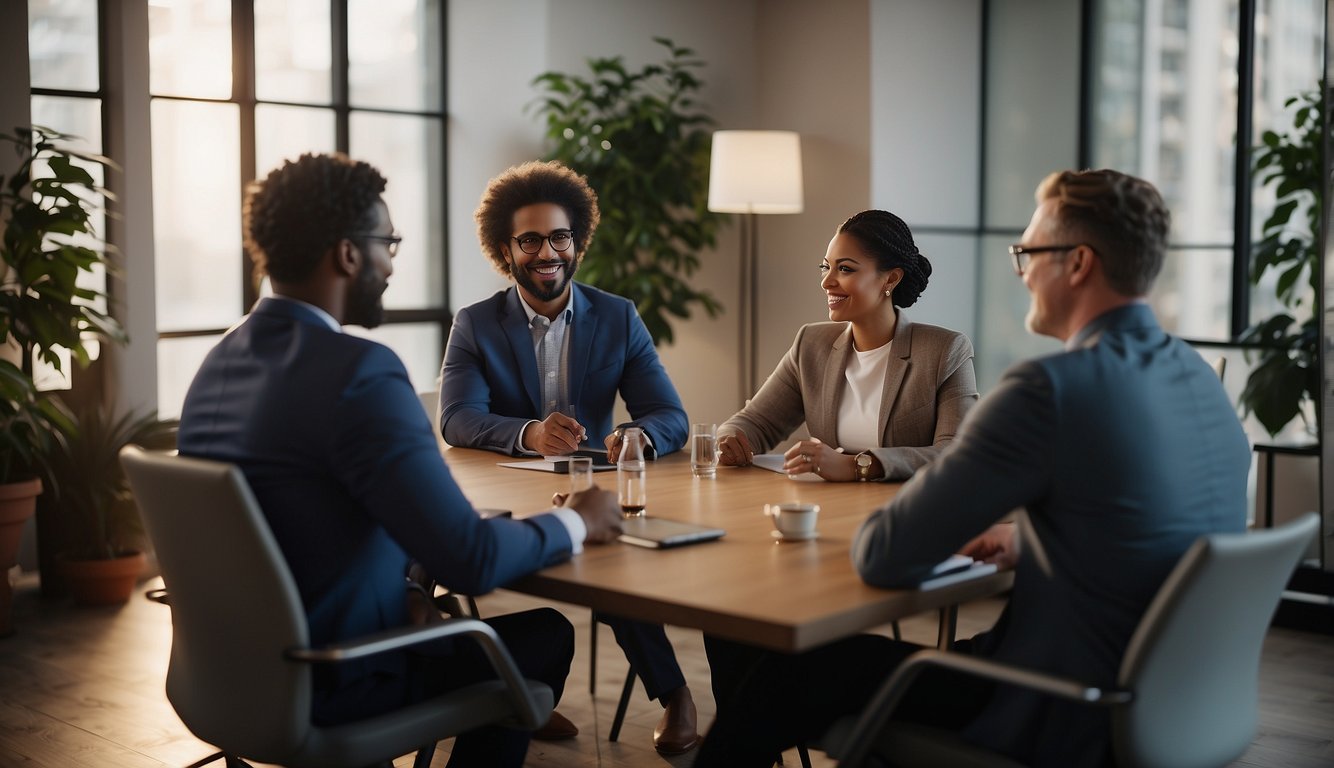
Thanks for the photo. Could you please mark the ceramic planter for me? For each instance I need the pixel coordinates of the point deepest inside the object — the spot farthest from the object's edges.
(17, 503)
(103, 582)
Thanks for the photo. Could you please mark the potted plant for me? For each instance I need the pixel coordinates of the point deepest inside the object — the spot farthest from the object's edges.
(1287, 375)
(643, 143)
(28, 423)
(48, 242)
(101, 532)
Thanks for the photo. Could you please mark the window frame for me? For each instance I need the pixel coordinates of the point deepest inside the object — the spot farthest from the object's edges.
(244, 96)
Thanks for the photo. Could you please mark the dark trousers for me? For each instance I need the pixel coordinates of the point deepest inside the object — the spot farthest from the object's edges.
(649, 652)
(541, 642)
(768, 702)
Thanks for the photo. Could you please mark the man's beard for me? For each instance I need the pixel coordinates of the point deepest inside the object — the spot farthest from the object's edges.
(546, 290)
(365, 306)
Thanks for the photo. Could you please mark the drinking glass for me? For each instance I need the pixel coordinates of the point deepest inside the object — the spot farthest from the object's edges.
(703, 450)
(581, 473)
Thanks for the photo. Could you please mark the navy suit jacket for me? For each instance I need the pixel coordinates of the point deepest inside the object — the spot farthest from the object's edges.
(1124, 450)
(489, 385)
(341, 457)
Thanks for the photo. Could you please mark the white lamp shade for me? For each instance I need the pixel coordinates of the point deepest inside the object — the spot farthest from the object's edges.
(755, 172)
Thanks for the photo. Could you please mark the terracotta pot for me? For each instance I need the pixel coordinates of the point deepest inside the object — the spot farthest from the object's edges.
(17, 503)
(103, 582)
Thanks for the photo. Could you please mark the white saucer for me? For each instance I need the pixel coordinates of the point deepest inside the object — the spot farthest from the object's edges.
(795, 537)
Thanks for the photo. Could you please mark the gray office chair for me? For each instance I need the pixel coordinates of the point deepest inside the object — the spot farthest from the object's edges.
(239, 675)
(1186, 692)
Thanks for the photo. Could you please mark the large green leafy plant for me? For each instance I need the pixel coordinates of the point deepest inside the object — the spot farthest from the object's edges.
(1286, 374)
(643, 142)
(48, 207)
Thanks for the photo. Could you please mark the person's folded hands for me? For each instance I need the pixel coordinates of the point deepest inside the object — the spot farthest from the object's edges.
(734, 450)
(599, 509)
(556, 435)
(997, 544)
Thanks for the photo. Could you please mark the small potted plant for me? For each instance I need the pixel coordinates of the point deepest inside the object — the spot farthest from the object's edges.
(48, 241)
(100, 529)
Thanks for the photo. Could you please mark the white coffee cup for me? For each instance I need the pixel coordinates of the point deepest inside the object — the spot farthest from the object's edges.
(793, 519)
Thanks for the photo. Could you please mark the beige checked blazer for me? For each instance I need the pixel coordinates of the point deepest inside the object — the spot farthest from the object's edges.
(929, 387)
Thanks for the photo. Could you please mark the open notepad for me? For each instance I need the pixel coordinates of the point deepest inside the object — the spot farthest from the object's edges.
(955, 569)
(774, 463)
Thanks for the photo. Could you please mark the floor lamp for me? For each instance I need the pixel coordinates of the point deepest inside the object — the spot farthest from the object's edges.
(753, 172)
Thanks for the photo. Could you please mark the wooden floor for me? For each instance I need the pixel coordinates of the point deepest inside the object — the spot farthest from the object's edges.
(84, 687)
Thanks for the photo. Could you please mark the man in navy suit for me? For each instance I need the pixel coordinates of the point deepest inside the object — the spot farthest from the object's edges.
(535, 370)
(332, 439)
(1122, 449)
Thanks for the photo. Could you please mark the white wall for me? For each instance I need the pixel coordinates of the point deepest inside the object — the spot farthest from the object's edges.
(814, 78)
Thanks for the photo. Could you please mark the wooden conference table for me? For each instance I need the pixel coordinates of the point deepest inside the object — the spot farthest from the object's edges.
(745, 587)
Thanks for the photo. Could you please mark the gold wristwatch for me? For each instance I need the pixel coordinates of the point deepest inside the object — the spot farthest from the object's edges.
(864, 466)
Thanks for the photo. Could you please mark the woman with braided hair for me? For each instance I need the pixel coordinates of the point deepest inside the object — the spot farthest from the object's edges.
(880, 394)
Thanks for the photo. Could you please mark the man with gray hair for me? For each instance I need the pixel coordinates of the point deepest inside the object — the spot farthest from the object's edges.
(1122, 450)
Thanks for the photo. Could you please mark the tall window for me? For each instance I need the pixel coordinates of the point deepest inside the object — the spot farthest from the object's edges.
(237, 89)
(67, 96)
(1165, 101)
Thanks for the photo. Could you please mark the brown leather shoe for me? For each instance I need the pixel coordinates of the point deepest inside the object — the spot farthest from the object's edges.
(557, 728)
(676, 733)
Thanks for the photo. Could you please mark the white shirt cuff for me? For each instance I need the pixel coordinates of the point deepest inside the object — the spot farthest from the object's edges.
(574, 525)
(518, 442)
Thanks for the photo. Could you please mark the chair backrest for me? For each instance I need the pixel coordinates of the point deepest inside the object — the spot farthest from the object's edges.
(430, 400)
(1193, 662)
(234, 605)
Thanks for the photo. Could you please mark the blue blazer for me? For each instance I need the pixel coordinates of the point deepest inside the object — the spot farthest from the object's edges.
(1123, 449)
(333, 440)
(489, 387)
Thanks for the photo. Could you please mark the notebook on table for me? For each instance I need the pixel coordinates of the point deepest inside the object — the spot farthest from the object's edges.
(561, 464)
(955, 569)
(660, 533)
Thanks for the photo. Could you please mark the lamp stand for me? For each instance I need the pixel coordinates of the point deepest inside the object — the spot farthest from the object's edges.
(748, 321)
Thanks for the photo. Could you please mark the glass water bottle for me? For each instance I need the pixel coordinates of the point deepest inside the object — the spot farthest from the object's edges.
(631, 473)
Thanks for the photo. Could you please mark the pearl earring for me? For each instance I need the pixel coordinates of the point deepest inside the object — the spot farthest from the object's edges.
(888, 294)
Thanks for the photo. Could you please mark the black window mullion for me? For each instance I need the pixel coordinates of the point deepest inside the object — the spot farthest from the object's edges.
(1087, 72)
(1241, 210)
(243, 94)
(338, 72)
(447, 319)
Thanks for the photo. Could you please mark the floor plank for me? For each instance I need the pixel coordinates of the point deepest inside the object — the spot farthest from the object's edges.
(81, 687)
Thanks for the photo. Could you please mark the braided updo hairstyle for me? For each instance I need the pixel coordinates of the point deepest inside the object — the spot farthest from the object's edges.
(885, 237)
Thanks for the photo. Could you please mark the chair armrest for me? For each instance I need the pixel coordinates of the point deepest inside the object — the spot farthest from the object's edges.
(887, 699)
(526, 707)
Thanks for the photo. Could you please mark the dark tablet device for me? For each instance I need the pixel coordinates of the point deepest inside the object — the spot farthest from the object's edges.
(659, 533)
(600, 463)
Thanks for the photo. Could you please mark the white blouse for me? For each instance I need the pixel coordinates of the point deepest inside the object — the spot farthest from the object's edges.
(859, 408)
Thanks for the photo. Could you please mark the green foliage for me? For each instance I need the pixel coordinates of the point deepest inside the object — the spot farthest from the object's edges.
(643, 143)
(46, 213)
(1287, 374)
(96, 513)
(30, 425)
